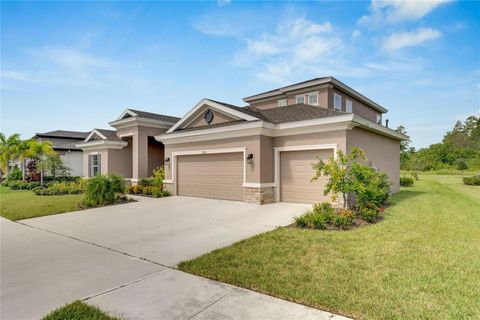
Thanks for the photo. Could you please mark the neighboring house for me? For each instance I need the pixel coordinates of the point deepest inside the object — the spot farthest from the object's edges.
(259, 153)
(64, 142)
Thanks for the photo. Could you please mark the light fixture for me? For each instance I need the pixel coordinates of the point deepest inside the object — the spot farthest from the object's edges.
(249, 158)
(167, 161)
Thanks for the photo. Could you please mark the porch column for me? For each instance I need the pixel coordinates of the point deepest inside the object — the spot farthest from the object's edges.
(139, 156)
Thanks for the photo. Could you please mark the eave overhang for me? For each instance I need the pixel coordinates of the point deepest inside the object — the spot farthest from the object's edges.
(102, 144)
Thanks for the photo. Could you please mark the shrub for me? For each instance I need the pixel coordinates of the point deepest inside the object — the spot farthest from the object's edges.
(472, 181)
(406, 181)
(21, 185)
(15, 174)
(61, 188)
(146, 182)
(344, 219)
(149, 191)
(104, 190)
(414, 175)
(370, 186)
(461, 164)
(159, 176)
(370, 214)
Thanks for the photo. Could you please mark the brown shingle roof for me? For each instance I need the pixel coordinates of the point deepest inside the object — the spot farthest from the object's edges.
(111, 135)
(250, 112)
(64, 134)
(297, 112)
(155, 116)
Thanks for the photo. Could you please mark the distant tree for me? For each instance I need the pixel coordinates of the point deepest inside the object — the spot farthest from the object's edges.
(8, 150)
(53, 166)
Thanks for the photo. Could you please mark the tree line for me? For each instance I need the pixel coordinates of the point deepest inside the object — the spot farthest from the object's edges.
(459, 149)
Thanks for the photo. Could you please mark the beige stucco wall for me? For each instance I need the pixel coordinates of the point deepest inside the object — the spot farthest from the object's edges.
(382, 152)
(357, 107)
(140, 154)
(199, 121)
(113, 161)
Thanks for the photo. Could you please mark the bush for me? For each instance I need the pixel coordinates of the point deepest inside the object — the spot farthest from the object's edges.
(324, 216)
(472, 181)
(461, 164)
(159, 176)
(344, 219)
(104, 190)
(61, 188)
(414, 175)
(15, 174)
(21, 185)
(146, 182)
(370, 214)
(406, 181)
(149, 191)
(370, 186)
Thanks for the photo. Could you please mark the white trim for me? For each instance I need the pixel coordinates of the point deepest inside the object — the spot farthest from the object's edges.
(126, 135)
(277, 151)
(174, 156)
(167, 181)
(341, 122)
(102, 144)
(125, 112)
(95, 131)
(214, 105)
(258, 185)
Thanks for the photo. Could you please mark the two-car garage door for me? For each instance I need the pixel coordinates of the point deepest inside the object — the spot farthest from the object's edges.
(218, 176)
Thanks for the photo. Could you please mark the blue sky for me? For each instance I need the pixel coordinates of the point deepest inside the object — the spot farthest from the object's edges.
(78, 65)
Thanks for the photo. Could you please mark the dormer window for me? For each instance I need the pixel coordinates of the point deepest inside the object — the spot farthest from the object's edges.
(300, 99)
(282, 102)
(337, 102)
(313, 99)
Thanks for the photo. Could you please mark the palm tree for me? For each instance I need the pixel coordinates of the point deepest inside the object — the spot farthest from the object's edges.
(38, 150)
(8, 150)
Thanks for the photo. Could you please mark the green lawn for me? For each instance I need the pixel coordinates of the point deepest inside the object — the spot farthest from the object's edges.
(421, 262)
(78, 310)
(24, 204)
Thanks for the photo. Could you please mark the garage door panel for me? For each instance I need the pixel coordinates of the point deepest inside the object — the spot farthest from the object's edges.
(211, 175)
(296, 173)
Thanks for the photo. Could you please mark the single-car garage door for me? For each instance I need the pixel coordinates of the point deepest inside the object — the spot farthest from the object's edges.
(218, 176)
(296, 174)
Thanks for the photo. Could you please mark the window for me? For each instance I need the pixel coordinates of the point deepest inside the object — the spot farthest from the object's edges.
(300, 99)
(379, 118)
(337, 102)
(282, 102)
(348, 105)
(94, 165)
(313, 99)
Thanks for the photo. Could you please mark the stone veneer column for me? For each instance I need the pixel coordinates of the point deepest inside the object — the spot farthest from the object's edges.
(262, 195)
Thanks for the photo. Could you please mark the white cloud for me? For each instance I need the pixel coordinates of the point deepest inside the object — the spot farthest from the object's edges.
(394, 11)
(222, 3)
(356, 33)
(71, 58)
(401, 40)
(18, 76)
(292, 46)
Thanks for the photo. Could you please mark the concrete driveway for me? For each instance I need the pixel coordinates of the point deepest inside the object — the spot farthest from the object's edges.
(122, 259)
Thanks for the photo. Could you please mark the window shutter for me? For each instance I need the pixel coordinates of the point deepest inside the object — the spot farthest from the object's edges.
(89, 165)
(99, 162)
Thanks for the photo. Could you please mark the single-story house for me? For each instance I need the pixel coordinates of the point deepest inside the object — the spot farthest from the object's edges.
(259, 153)
(64, 142)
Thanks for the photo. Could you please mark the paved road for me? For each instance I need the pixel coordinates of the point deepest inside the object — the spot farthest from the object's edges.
(122, 258)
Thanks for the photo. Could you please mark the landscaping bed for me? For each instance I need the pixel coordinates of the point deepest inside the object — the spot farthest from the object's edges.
(78, 310)
(421, 262)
